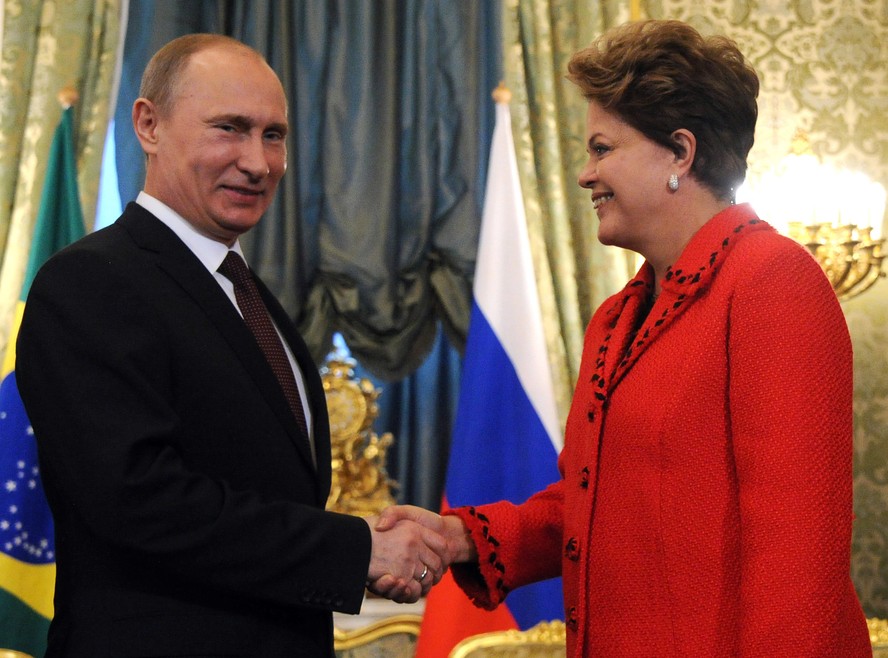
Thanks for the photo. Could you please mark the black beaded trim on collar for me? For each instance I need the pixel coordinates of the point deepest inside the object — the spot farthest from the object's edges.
(679, 277)
(682, 284)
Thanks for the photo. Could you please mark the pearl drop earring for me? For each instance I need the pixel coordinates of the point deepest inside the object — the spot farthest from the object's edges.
(673, 182)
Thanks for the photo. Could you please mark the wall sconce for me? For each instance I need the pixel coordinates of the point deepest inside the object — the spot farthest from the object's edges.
(836, 213)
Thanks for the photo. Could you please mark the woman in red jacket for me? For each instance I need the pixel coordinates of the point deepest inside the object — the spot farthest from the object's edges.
(704, 507)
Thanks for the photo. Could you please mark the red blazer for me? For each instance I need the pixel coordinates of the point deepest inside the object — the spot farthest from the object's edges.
(705, 502)
(189, 517)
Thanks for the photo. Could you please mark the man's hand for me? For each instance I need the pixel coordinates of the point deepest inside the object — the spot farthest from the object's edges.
(412, 549)
(405, 560)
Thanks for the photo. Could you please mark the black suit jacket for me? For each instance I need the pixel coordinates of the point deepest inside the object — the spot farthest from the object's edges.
(188, 512)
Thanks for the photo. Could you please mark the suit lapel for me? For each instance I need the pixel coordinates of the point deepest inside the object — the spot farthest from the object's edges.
(177, 261)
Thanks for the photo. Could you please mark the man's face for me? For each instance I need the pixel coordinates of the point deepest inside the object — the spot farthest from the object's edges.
(216, 156)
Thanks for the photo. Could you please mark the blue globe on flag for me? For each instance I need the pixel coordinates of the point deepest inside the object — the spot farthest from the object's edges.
(26, 530)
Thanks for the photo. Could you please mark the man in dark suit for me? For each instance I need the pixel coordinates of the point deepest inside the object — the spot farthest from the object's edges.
(186, 474)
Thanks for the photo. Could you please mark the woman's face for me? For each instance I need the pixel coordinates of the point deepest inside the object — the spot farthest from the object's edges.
(628, 175)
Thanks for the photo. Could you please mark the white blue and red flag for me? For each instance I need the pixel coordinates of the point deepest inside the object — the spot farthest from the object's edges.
(507, 435)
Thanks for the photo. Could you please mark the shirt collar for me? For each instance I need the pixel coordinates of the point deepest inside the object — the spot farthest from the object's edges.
(210, 252)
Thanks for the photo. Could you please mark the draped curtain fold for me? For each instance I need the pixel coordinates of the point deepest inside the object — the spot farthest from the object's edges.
(575, 272)
(49, 45)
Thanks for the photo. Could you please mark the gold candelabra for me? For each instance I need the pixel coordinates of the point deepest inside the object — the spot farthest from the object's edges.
(878, 632)
(848, 254)
(360, 483)
(834, 212)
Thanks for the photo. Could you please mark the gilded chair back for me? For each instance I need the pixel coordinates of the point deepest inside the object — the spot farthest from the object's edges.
(545, 640)
(393, 637)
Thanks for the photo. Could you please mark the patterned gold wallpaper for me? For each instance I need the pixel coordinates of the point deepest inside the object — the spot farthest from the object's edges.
(824, 69)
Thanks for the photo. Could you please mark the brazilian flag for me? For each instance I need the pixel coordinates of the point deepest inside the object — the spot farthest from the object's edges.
(27, 542)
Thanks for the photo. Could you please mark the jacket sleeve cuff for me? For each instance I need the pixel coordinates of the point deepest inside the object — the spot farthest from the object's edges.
(351, 553)
(484, 581)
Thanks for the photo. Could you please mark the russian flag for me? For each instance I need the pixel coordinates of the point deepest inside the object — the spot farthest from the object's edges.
(507, 435)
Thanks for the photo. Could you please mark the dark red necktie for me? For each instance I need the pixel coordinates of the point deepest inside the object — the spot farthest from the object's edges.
(256, 316)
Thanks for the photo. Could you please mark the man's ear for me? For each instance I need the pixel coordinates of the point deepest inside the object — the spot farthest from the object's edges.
(686, 150)
(145, 123)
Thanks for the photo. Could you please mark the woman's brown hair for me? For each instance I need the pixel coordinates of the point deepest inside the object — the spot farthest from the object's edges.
(662, 75)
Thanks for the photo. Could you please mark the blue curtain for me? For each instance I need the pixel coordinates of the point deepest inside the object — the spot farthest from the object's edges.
(374, 230)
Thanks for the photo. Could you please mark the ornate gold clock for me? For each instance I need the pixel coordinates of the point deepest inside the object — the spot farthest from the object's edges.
(360, 484)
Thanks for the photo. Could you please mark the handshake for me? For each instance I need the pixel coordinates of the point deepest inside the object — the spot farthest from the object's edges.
(412, 549)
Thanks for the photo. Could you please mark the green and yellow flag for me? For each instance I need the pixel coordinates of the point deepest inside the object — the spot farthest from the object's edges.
(27, 542)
